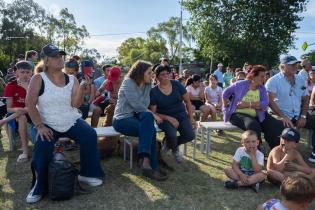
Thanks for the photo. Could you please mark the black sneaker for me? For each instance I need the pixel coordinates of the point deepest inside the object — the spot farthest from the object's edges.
(312, 158)
(255, 187)
(230, 185)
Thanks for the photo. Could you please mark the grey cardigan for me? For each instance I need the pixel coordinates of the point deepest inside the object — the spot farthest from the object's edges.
(131, 99)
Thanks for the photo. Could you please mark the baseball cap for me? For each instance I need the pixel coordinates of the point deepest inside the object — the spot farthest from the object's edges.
(289, 59)
(114, 73)
(51, 50)
(72, 63)
(290, 134)
(23, 65)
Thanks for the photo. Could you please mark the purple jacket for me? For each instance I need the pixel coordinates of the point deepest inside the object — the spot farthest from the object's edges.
(238, 90)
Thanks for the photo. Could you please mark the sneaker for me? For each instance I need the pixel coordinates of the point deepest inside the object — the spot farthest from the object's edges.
(255, 187)
(31, 198)
(91, 181)
(312, 158)
(230, 185)
(178, 156)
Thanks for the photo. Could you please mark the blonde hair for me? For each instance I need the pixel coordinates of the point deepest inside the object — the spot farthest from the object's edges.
(39, 67)
(247, 134)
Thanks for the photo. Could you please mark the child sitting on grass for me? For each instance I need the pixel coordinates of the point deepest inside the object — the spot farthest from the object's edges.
(247, 164)
(297, 193)
(285, 160)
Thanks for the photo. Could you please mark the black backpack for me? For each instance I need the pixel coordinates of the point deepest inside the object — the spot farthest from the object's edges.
(62, 177)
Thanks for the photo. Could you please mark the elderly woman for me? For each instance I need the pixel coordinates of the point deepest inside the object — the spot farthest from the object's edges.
(245, 104)
(167, 102)
(132, 117)
(52, 101)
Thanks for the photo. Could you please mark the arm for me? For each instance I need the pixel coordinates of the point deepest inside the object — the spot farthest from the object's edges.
(257, 168)
(31, 101)
(78, 91)
(227, 93)
(92, 93)
(18, 110)
(312, 101)
(305, 105)
(301, 165)
(274, 107)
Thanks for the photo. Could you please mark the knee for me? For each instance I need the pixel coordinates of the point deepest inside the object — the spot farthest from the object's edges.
(22, 119)
(228, 170)
(146, 115)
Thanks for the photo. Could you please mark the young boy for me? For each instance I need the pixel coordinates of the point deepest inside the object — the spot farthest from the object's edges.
(297, 192)
(284, 160)
(16, 93)
(247, 164)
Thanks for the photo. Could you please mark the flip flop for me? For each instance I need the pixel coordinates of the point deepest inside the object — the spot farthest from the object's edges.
(22, 158)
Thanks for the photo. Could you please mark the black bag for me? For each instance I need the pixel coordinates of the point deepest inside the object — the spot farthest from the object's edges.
(62, 177)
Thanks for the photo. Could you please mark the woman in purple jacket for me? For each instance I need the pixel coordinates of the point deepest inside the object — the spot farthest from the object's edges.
(245, 105)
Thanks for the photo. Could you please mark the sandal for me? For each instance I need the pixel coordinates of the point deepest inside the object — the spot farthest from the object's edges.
(22, 158)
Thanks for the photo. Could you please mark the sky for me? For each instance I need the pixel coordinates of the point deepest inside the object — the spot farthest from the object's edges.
(132, 18)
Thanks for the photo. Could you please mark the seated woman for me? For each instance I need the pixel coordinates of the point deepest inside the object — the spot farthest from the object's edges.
(132, 117)
(166, 100)
(197, 97)
(52, 100)
(213, 94)
(245, 105)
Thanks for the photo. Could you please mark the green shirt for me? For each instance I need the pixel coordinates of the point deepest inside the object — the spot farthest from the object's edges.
(251, 96)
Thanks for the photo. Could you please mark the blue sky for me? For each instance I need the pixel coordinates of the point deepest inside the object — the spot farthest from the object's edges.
(130, 16)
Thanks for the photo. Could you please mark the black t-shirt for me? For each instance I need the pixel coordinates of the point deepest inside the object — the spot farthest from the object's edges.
(171, 104)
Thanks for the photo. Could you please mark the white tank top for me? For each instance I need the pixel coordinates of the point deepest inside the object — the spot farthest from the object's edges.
(54, 105)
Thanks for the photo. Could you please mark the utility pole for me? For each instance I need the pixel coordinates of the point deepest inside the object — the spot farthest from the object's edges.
(181, 40)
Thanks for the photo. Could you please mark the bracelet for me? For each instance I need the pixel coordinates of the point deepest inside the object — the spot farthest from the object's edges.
(250, 104)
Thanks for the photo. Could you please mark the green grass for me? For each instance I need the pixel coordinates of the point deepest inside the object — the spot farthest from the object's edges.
(193, 185)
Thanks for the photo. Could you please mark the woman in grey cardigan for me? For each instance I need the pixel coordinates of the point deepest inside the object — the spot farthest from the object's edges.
(132, 117)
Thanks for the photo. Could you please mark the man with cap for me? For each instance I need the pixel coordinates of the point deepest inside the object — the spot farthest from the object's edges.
(16, 93)
(289, 100)
(285, 160)
(219, 75)
(307, 67)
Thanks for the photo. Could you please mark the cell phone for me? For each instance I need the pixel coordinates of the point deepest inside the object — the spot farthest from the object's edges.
(87, 68)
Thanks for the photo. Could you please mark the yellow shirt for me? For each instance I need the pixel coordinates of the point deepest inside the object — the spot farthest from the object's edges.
(251, 96)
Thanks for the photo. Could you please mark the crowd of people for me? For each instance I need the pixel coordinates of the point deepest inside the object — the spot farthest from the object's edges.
(56, 96)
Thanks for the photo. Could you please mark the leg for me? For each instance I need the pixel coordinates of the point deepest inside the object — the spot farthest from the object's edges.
(205, 111)
(272, 129)
(170, 134)
(186, 131)
(95, 116)
(229, 172)
(253, 179)
(83, 134)
(22, 121)
(109, 114)
(42, 155)
(274, 176)
(246, 122)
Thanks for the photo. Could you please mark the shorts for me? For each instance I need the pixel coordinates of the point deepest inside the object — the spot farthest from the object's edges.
(197, 104)
(248, 173)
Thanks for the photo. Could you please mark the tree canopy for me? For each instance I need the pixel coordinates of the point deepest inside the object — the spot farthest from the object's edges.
(244, 30)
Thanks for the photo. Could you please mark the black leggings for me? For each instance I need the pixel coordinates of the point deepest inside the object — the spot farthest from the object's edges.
(271, 127)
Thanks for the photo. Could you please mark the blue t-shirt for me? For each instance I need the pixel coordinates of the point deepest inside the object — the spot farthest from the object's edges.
(171, 104)
(98, 82)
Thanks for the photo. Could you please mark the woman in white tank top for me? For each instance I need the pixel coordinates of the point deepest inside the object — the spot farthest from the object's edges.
(52, 101)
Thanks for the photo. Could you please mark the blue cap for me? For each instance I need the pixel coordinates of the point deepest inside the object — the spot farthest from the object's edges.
(290, 134)
(289, 59)
(51, 50)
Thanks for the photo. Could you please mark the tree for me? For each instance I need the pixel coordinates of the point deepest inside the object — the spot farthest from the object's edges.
(244, 30)
(310, 56)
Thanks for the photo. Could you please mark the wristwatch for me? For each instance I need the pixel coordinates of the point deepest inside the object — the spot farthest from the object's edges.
(303, 116)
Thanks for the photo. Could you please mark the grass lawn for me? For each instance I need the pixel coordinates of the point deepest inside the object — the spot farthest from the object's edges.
(193, 185)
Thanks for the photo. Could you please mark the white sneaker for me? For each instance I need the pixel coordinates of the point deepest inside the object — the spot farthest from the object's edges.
(91, 181)
(30, 198)
(178, 156)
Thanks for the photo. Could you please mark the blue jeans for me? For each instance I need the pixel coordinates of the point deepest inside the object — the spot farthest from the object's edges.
(185, 130)
(80, 132)
(141, 126)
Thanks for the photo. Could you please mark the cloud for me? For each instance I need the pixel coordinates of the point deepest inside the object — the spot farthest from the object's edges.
(104, 45)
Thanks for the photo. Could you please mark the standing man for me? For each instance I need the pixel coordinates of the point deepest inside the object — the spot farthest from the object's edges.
(289, 100)
(219, 75)
(31, 56)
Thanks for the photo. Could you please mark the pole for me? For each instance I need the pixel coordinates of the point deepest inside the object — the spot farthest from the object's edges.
(181, 40)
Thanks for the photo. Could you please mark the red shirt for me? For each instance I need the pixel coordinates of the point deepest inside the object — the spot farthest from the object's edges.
(17, 93)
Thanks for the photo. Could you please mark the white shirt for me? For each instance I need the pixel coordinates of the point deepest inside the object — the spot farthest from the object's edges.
(54, 105)
(244, 159)
(193, 91)
(213, 94)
